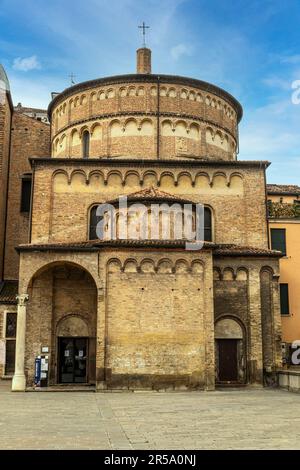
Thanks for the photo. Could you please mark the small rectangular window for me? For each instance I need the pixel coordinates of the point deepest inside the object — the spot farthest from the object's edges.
(10, 343)
(278, 239)
(284, 299)
(11, 325)
(26, 194)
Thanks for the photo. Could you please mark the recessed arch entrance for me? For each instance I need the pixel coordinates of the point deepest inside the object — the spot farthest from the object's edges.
(63, 304)
(230, 351)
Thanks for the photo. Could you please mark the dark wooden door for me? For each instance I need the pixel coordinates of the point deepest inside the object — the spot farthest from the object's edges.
(228, 364)
(10, 356)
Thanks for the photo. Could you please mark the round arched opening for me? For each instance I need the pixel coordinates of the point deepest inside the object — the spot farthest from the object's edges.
(63, 302)
(230, 352)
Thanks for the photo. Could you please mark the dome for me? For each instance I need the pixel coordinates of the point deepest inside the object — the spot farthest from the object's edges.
(4, 83)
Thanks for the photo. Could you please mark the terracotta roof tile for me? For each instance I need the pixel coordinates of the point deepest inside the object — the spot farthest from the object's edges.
(152, 194)
(95, 245)
(283, 189)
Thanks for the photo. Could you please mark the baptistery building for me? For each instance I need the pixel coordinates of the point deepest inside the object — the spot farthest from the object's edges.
(136, 311)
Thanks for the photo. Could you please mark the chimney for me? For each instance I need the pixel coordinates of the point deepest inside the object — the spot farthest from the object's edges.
(143, 63)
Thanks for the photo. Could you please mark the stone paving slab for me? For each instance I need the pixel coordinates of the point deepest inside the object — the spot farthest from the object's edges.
(229, 419)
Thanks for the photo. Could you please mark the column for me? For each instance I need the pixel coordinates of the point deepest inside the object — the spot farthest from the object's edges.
(277, 330)
(101, 338)
(209, 324)
(19, 380)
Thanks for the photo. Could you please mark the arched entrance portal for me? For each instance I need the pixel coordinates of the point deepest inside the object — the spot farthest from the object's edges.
(74, 346)
(230, 351)
(62, 320)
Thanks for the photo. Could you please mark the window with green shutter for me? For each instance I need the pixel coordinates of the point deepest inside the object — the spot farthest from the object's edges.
(278, 239)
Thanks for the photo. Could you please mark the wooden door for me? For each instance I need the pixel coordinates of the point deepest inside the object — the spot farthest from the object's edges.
(228, 360)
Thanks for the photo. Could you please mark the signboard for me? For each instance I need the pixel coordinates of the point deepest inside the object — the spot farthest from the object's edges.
(44, 364)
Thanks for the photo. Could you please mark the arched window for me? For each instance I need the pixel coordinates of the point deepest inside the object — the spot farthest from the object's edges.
(85, 144)
(207, 225)
(94, 219)
(108, 223)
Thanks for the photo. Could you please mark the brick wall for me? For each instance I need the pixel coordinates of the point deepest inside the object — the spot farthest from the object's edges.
(29, 138)
(156, 323)
(246, 289)
(236, 196)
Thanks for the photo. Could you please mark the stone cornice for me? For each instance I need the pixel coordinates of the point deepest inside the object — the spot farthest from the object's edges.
(219, 250)
(137, 162)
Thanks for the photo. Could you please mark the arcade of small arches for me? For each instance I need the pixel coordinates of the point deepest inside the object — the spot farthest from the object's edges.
(161, 265)
(97, 138)
(230, 274)
(140, 91)
(65, 181)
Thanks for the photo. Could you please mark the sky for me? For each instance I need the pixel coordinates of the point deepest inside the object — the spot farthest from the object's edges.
(251, 48)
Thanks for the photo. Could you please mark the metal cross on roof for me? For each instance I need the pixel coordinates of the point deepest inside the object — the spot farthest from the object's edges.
(72, 77)
(144, 27)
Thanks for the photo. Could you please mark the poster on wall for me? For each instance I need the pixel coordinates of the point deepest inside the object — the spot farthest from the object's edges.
(2, 351)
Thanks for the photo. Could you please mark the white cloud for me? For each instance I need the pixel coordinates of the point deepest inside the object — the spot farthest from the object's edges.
(26, 64)
(179, 50)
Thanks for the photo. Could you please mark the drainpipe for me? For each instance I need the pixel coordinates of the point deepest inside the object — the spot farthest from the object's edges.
(31, 201)
(158, 120)
(266, 204)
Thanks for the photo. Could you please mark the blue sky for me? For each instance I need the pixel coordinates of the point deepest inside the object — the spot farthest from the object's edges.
(249, 47)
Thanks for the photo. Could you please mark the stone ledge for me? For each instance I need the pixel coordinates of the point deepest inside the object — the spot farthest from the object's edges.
(289, 380)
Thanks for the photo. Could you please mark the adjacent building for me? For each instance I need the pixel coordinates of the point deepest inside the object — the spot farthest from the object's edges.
(284, 224)
(21, 137)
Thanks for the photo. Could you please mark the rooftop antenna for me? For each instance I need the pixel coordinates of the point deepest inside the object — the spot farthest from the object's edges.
(144, 27)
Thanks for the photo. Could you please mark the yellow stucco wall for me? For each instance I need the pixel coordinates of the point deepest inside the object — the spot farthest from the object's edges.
(289, 273)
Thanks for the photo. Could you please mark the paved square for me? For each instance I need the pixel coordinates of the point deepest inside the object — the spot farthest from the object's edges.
(231, 419)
